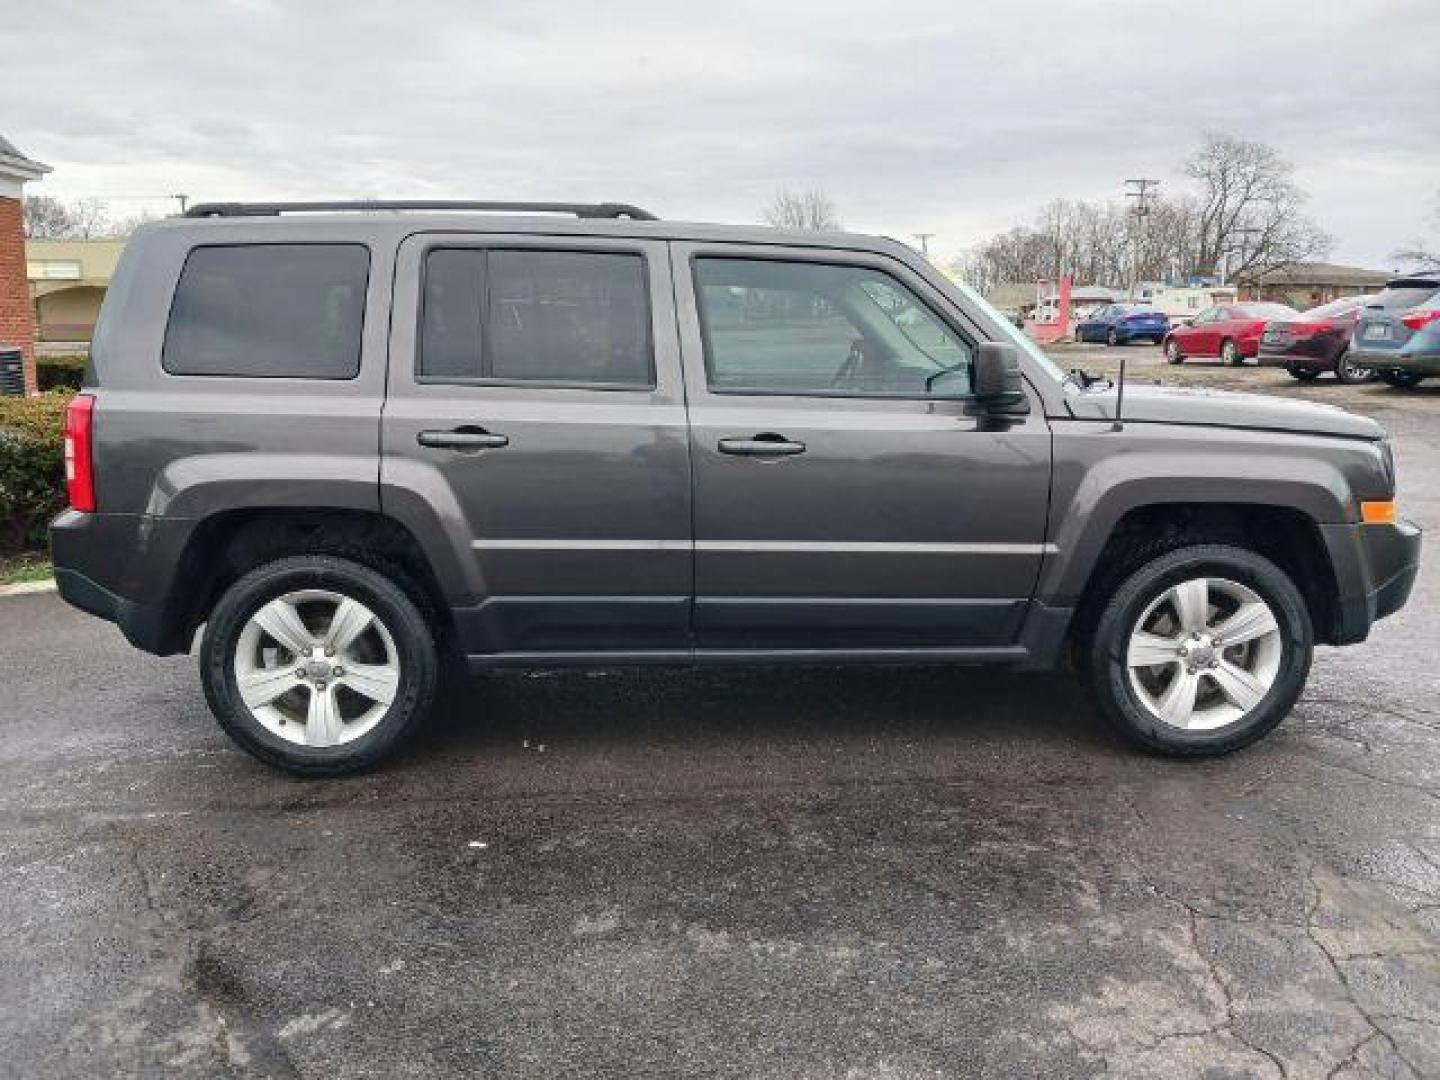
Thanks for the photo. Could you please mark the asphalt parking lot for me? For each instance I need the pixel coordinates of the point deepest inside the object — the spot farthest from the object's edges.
(860, 873)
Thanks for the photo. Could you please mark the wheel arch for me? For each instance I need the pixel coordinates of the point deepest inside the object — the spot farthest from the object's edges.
(224, 545)
(1286, 535)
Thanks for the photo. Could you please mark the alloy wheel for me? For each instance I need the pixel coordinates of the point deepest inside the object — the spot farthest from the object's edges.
(316, 667)
(1204, 654)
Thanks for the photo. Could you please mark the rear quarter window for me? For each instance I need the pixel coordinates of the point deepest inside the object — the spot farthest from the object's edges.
(269, 311)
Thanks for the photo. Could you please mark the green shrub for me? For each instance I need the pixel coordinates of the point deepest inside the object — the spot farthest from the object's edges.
(32, 468)
(59, 372)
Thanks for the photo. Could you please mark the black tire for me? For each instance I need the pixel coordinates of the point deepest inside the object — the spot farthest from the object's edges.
(1112, 338)
(1304, 374)
(1402, 380)
(1105, 651)
(1350, 373)
(1173, 355)
(1230, 353)
(413, 639)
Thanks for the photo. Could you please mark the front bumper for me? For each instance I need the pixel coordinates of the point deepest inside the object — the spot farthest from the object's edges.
(1375, 567)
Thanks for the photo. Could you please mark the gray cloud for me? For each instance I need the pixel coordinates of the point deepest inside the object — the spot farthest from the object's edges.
(959, 118)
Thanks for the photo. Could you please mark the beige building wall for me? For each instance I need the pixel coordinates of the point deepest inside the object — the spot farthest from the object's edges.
(67, 280)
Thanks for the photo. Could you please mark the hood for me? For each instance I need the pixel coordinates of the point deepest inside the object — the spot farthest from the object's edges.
(1222, 408)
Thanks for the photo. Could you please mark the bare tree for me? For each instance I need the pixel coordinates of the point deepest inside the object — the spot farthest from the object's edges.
(47, 218)
(810, 210)
(1419, 254)
(1249, 209)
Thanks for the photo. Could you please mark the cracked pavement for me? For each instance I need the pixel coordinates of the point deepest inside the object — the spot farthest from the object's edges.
(858, 873)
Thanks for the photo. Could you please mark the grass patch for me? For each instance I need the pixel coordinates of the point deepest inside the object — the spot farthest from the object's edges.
(31, 566)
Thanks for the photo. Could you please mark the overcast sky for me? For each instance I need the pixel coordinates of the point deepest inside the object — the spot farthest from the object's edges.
(955, 117)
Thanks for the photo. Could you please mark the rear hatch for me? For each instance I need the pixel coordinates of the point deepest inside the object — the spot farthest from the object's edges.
(1146, 320)
(1381, 326)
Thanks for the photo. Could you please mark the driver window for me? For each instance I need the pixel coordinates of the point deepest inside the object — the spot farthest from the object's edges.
(809, 328)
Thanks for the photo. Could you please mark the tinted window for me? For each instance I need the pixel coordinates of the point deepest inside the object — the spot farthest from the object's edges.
(801, 328)
(269, 310)
(1403, 297)
(1265, 311)
(576, 318)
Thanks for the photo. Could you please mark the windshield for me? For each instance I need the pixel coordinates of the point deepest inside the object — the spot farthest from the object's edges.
(1268, 311)
(1014, 335)
(1343, 306)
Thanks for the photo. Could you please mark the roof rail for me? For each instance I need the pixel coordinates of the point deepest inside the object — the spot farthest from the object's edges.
(271, 209)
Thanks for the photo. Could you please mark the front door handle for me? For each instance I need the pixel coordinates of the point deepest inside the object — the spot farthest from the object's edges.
(463, 439)
(766, 444)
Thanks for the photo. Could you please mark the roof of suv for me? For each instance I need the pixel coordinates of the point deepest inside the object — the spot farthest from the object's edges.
(562, 219)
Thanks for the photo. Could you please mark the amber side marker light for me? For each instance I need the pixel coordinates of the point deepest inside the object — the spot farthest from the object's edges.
(1378, 513)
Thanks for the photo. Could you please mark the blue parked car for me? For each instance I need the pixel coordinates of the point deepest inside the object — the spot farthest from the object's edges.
(1115, 324)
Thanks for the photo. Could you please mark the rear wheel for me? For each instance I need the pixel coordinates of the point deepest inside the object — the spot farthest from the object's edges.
(1402, 380)
(1173, 355)
(1200, 651)
(1349, 372)
(1112, 338)
(1079, 336)
(1304, 374)
(318, 665)
(1230, 353)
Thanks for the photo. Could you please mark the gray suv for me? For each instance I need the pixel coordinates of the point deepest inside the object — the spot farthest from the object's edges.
(355, 441)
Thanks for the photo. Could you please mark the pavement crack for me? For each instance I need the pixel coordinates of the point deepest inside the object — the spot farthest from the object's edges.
(1336, 966)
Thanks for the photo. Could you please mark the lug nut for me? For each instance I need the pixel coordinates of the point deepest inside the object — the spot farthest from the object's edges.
(319, 684)
(339, 672)
(299, 672)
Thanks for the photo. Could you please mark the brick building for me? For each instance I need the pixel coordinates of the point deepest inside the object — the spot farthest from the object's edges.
(17, 316)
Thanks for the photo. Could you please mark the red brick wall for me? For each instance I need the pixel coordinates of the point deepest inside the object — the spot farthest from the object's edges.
(17, 318)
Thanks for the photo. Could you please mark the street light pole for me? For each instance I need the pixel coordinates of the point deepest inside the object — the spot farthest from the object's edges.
(924, 238)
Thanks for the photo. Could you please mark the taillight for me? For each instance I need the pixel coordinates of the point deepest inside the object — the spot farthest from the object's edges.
(79, 466)
(1418, 320)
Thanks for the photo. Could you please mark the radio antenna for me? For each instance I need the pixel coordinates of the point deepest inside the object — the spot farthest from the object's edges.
(1119, 424)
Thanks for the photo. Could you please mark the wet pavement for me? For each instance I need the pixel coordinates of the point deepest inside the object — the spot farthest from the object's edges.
(858, 873)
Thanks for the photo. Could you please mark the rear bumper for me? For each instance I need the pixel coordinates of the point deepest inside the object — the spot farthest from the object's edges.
(1375, 568)
(124, 568)
(1297, 355)
(1399, 360)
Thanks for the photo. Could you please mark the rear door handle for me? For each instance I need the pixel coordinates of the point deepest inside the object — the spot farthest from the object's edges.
(766, 444)
(463, 439)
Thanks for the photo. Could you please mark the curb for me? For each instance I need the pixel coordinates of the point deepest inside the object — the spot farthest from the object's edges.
(28, 588)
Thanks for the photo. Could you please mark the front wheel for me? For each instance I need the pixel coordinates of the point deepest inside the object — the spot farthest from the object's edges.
(1351, 373)
(1230, 353)
(1112, 338)
(1172, 352)
(1200, 651)
(1402, 380)
(318, 665)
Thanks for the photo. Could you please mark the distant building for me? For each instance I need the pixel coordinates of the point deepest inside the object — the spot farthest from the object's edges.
(1309, 284)
(68, 279)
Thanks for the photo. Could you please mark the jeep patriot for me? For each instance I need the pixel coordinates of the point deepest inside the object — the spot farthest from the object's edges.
(354, 442)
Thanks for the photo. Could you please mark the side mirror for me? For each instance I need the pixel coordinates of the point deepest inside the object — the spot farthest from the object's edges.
(995, 379)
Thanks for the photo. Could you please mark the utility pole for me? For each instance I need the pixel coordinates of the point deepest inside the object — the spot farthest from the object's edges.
(183, 200)
(1139, 190)
(924, 238)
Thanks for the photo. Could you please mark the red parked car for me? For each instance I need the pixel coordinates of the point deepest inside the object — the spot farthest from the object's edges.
(1229, 331)
(1317, 341)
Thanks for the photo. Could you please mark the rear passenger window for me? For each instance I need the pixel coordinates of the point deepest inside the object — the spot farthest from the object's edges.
(558, 318)
(269, 311)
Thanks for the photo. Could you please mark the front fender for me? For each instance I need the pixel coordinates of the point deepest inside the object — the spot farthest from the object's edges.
(1101, 475)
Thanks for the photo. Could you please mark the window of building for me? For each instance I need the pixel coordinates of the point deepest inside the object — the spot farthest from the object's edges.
(269, 311)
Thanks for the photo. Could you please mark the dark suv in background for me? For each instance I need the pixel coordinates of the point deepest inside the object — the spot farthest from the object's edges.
(352, 441)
